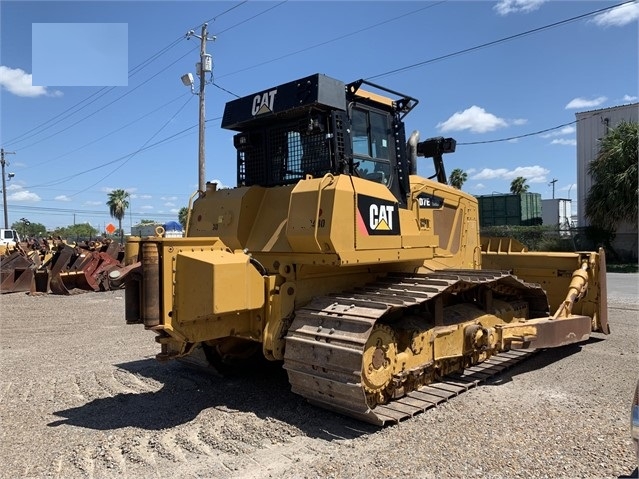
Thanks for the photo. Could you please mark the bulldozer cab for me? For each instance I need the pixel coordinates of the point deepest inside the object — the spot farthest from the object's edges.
(319, 125)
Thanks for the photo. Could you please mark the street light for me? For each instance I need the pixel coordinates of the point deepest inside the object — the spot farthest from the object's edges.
(187, 79)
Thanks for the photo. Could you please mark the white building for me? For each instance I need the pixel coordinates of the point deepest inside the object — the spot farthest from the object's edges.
(592, 126)
(557, 212)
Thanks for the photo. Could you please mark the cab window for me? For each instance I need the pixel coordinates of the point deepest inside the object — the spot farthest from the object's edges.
(370, 134)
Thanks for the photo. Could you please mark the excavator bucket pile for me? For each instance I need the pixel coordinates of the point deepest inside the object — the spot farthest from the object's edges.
(62, 270)
(83, 267)
(17, 271)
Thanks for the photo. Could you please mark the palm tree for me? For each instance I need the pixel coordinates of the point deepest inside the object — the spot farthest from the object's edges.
(457, 178)
(613, 197)
(182, 216)
(518, 186)
(118, 204)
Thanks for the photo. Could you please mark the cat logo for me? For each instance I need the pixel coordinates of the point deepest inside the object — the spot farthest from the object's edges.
(263, 102)
(376, 216)
(381, 217)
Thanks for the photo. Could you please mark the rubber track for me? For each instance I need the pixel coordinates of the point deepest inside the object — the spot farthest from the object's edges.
(325, 343)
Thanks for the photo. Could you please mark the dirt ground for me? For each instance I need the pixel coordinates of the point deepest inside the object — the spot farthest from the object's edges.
(82, 396)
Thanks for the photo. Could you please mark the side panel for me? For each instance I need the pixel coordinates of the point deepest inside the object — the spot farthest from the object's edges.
(228, 214)
(321, 215)
(449, 219)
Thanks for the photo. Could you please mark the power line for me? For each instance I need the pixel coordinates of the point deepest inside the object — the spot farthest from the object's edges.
(136, 152)
(66, 211)
(128, 92)
(96, 140)
(250, 18)
(341, 37)
(496, 42)
(534, 133)
(220, 14)
(224, 89)
(26, 135)
(510, 138)
(103, 91)
(121, 158)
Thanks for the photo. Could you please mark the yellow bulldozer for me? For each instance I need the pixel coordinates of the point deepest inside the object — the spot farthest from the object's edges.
(368, 282)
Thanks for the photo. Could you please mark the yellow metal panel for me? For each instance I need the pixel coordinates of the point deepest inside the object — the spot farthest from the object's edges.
(269, 225)
(212, 283)
(321, 216)
(228, 214)
(374, 97)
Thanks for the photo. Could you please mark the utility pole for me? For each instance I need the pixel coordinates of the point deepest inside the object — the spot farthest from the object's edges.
(203, 66)
(4, 185)
(553, 187)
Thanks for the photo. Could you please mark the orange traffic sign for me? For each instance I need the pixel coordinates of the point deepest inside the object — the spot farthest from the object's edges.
(110, 228)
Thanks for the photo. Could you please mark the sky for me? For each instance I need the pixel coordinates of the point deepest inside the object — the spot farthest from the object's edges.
(91, 98)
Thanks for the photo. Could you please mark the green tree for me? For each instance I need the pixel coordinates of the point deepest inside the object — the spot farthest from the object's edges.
(28, 228)
(182, 215)
(76, 232)
(147, 222)
(457, 178)
(613, 197)
(118, 203)
(518, 186)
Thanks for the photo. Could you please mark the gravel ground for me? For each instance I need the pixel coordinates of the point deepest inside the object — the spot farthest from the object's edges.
(82, 396)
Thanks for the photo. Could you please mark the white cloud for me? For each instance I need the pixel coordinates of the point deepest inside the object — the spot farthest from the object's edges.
(169, 204)
(618, 17)
(168, 198)
(490, 174)
(584, 103)
(21, 194)
(504, 7)
(220, 185)
(566, 130)
(62, 198)
(94, 203)
(174, 210)
(564, 141)
(475, 119)
(519, 121)
(533, 174)
(146, 207)
(480, 186)
(629, 98)
(19, 82)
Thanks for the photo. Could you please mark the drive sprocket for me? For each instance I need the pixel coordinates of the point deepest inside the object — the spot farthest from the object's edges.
(379, 358)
